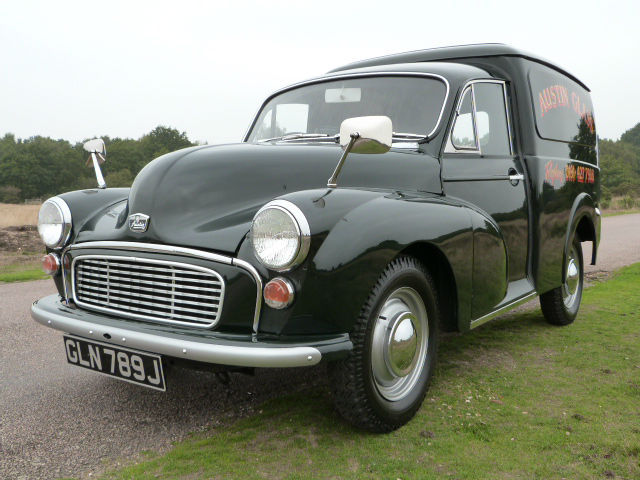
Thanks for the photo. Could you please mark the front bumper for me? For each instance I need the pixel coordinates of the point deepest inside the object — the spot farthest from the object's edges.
(207, 347)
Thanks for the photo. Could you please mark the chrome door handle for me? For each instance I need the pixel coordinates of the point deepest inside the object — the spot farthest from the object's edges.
(514, 176)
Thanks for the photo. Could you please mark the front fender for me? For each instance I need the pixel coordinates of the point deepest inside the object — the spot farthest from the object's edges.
(355, 249)
(85, 205)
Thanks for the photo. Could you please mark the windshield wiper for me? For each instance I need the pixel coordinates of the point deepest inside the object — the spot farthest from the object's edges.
(335, 137)
(408, 136)
(302, 136)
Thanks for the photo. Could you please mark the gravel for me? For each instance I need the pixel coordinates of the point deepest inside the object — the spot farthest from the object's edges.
(58, 420)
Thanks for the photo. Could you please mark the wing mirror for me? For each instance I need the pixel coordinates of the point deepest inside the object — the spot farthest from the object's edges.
(98, 155)
(362, 135)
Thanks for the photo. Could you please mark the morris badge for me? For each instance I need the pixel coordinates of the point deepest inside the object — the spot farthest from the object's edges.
(138, 222)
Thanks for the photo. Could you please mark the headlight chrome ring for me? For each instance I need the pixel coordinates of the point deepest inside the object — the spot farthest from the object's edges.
(302, 230)
(62, 218)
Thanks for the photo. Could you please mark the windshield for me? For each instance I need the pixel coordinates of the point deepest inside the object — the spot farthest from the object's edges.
(412, 103)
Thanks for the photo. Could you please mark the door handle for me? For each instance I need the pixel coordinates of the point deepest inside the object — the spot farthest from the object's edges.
(515, 177)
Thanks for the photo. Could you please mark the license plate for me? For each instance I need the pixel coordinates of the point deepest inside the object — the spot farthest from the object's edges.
(125, 364)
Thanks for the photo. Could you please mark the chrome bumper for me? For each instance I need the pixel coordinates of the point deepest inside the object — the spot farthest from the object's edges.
(51, 313)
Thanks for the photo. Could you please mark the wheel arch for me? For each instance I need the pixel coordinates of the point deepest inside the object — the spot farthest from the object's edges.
(584, 223)
(437, 264)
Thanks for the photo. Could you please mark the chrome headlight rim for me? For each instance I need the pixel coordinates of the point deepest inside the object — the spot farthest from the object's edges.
(302, 227)
(65, 214)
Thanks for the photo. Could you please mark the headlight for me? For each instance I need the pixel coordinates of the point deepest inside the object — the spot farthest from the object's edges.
(54, 222)
(280, 235)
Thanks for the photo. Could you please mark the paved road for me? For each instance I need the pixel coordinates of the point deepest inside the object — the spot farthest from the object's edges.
(58, 420)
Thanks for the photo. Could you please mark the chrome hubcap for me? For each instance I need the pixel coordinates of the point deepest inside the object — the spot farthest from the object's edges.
(572, 279)
(402, 347)
(399, 345)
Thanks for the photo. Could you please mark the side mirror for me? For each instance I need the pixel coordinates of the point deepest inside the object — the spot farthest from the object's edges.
(96, 146)
(374, 134)
(98, 155)
(362, 135)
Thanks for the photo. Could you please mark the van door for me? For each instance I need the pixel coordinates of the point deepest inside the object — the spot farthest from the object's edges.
(480, 167)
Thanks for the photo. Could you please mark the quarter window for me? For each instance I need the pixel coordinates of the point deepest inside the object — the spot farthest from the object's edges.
(464, 135)
(481, 121)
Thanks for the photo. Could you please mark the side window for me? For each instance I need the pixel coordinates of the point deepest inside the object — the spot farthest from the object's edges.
(463, 136)
(491, 118)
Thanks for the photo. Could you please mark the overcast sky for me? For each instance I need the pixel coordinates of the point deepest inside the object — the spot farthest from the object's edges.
(75, 70)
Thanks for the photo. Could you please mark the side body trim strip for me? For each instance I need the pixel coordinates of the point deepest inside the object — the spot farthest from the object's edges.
(490, 316)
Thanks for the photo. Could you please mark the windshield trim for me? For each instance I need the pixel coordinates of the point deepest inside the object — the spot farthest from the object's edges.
(332, 78)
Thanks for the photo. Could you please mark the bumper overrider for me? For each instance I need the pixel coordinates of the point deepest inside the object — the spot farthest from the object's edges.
(200, 346)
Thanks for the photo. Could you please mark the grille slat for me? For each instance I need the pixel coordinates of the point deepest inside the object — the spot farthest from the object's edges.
(103, 285)
(150, 297)
(84, 269)
(129, 268)
(150, 282)
(149, 289)
(116, 300)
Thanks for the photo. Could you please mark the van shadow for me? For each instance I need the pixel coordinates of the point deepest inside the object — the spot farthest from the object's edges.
(198, 400)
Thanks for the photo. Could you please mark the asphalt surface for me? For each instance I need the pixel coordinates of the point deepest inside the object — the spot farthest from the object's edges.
(58, 420)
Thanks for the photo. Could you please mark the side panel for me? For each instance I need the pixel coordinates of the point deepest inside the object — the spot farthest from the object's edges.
(558, 170)
(563, 164)
(489, 266)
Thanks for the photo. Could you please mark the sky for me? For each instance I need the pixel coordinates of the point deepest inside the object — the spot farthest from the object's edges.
(80, 69)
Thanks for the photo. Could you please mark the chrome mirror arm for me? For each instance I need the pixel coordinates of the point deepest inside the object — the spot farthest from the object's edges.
(331, 183)
(96, 167)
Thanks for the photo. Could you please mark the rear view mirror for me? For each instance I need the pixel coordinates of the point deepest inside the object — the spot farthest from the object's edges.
(96, 146)
(374, 134)
(362, 135)
(98, 155)
(342, 95)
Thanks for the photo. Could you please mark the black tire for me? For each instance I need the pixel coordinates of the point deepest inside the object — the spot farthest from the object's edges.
(360, 395)
(560, 306)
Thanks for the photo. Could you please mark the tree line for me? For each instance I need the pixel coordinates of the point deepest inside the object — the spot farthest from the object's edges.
(620, 164)
(39, 167)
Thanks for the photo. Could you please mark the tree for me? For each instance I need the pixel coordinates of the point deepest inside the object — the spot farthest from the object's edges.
(38, 167)
(632, 136)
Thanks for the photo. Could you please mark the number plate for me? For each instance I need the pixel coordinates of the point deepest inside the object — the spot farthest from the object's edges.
(123, 363)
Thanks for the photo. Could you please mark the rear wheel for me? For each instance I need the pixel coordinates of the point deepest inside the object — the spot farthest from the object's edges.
(382, 383)
(560, 306)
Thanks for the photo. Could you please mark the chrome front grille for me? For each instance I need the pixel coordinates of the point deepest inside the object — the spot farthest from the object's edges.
(146, 289)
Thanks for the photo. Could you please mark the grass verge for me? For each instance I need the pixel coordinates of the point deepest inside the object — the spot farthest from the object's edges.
(615, 213)
(517, 398)
(22, 271)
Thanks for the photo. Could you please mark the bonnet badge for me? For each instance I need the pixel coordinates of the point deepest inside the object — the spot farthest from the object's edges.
(138, 222)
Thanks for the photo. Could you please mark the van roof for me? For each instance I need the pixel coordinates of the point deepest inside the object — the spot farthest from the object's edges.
(456, 52)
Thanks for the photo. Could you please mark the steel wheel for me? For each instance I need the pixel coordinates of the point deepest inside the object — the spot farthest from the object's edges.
(383, 381)
(573, 278)
(399, 344)
(560, 306)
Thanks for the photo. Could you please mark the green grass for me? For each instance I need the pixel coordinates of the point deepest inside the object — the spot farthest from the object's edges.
(517, 398)
(615, 213)
(21, 271)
